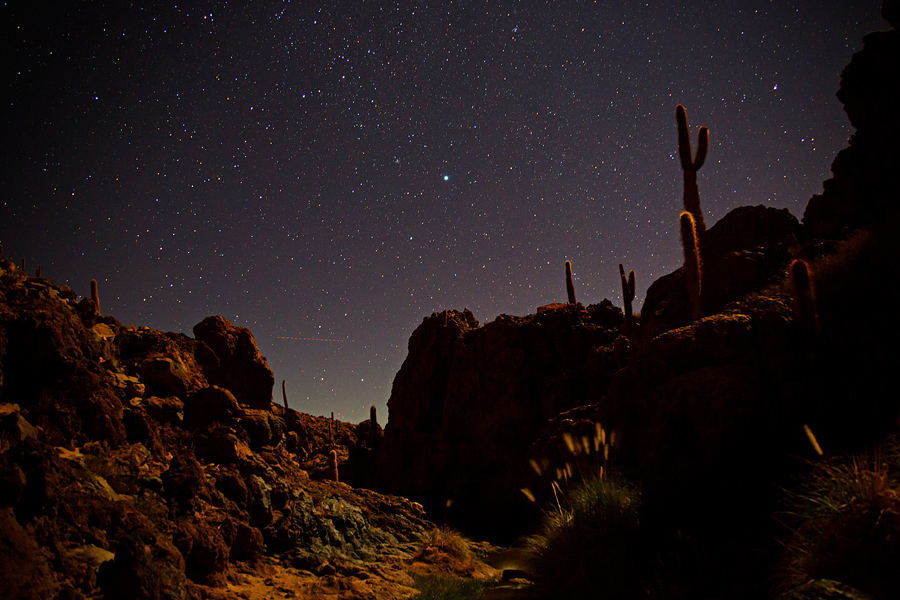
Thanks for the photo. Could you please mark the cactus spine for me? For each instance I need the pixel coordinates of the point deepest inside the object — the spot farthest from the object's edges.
(627, 291)
(690, 165)
(691, 263)
(95, 296)
(570, 287)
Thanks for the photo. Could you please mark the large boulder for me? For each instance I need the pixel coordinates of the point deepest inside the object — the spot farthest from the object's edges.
(236, 363)
(747, 249)
(469, 401)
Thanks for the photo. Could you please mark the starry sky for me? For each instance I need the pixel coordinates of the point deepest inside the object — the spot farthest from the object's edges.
(328, 174)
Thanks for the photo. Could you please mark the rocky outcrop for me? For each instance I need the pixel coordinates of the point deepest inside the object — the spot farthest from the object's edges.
(469, 401)
(133, 466)
(235, 362)
(747, 249)
(866, 182)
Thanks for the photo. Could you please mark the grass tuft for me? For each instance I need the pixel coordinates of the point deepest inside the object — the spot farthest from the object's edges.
(846, 519)
(440, 587)
(589, 543)
(447, 541)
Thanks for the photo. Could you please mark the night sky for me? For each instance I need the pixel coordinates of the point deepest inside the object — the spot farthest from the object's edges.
(328, 174)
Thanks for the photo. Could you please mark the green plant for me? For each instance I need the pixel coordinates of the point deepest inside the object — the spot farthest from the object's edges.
(846, 524)
(693, 275)
(570, 287)
(589, 543)
(627, 291)
(439, 587)
(690, 165)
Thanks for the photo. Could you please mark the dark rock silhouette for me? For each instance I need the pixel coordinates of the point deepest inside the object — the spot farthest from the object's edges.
(134, 465)
(469, 401)
(865, 186)
(238, 364)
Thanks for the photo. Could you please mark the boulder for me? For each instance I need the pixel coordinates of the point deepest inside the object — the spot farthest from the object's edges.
(744, 251)
(147, 566)
(237, 363)
(210, 405)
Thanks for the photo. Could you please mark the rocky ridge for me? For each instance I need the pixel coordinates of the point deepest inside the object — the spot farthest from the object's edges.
(141, 464)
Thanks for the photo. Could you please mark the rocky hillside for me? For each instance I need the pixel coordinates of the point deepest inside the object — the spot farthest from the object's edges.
(142, 464)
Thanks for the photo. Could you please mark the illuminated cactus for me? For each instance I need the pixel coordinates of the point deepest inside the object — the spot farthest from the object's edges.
(693, 274)
(690, 165)
(333, 465)
(570, 287)
(95, 296)
(803, 291)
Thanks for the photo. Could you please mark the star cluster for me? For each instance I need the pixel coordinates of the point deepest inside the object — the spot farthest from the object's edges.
(329, 173)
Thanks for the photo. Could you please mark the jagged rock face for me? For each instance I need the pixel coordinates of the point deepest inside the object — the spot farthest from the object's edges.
(469, 401)
(237, 363)
(118, 446)
(866, 182)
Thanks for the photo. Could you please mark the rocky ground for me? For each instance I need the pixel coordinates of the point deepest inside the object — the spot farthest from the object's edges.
(142, 464)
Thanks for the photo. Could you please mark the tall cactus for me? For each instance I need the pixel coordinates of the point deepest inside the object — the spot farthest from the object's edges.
(95, 296)
(333, 465)
(284, 393)
(803, 291)
(570, 287)
(690, 165)
(627, 291)
(691, 263)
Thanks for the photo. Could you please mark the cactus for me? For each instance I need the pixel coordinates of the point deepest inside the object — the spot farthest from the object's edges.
(690, 165)
(627, 291)
(373, 417)
(333, 465)
(284, 394)
(570, 287)
(39, 272)
(803, 291)
(692, 269)
(95, 296)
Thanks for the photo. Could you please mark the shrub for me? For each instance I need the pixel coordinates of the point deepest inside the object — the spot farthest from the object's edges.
(447, 541)
(846, 519)
(589, 544)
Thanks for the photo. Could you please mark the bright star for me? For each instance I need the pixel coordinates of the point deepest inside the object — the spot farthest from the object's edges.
(446, 177)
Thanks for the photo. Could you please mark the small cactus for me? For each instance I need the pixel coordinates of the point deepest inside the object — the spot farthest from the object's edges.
(284, 394)
(95, 296)
(39, 272)
(333, 465)
(373, 417)
(690, 165)
(627, 291)
(692, 269)
(570, 287)
(803, 291)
